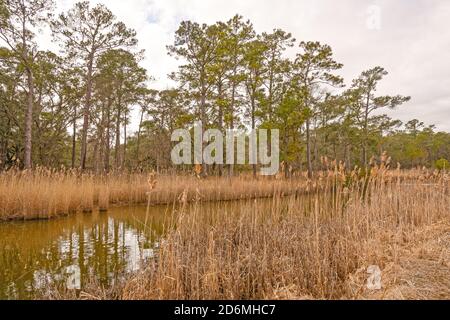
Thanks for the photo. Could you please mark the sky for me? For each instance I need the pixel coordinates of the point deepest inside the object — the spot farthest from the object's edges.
(409, 38)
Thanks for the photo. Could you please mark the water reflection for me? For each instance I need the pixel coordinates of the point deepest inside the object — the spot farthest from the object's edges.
(103, 246)
(106, 245)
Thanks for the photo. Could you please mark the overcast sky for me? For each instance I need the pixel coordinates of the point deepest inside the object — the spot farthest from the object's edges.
(409, 38)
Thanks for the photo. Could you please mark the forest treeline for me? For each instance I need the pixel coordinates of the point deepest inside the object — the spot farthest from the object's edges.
(73, 108)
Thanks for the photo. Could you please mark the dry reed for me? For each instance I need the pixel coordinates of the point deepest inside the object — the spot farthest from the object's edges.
(298, 247)
(45, 193)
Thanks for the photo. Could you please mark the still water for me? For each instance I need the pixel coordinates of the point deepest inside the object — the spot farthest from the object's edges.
(101, 245)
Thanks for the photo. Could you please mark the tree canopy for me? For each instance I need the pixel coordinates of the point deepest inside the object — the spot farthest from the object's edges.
(73, 108)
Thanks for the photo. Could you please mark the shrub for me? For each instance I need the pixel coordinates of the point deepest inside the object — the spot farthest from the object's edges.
(442, 164)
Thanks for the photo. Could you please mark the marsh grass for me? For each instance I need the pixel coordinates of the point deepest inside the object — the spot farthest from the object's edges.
(44, 193)
(286, 239)
(294, 247)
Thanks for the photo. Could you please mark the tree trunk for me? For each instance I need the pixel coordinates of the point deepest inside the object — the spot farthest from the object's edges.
(86, 113)
(30, 96)
(253, 128)
(347, 159)
(308, 140)
(100, 142)
(233, 97)
(203, 120)
(108, 136)
(29, 119)
(138, 142)
(315, 150)
(285, 148)
(117, 147)
(74, 137)
(220, 165)
(124, 142)
(96, 155)
(308, 149)
(366, 135)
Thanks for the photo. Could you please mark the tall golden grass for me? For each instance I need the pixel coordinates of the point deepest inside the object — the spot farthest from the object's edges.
(46, 193)
(296, 247)
(307, 240)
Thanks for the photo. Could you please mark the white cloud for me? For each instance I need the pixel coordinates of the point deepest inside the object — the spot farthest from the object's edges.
(412, 43)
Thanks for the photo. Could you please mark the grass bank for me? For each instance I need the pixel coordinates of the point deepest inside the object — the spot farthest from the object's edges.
(43, 193)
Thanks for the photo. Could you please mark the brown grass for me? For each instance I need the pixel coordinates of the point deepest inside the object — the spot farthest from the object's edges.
(43, 193)
(420, 268)
(317, 247)
(46, 193)
(289, 246)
